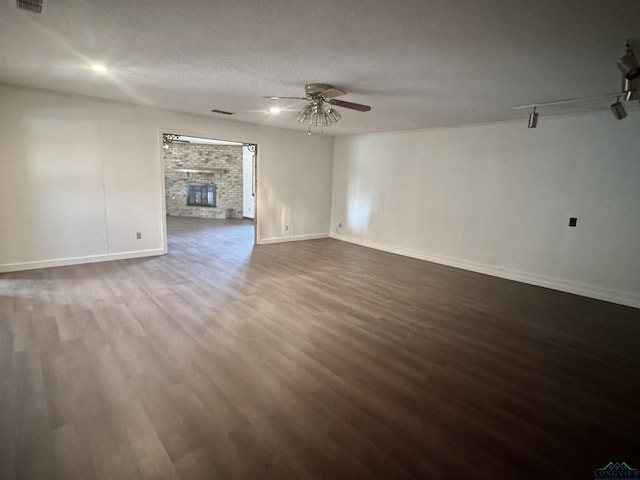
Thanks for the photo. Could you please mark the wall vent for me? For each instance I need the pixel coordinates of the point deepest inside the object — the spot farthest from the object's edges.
(221, 112)
(33, 6)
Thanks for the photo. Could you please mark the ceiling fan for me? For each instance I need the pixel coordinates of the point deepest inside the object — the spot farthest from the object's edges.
(316, 112)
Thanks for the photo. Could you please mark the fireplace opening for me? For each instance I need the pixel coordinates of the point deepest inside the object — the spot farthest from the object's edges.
(201, 195)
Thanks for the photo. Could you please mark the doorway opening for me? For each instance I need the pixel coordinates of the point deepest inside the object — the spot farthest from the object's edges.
(209, 184)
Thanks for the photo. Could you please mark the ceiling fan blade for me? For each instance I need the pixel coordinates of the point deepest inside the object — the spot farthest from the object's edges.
(286, 98)
(353, 106)
(332, 92)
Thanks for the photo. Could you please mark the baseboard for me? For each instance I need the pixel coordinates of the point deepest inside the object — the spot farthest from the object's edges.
(293, 238)
(62, 262)
(620, 297)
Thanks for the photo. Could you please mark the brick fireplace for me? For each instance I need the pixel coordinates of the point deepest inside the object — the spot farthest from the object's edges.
(203, 180)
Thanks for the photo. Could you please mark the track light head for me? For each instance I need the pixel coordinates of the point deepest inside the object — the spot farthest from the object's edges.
(618, 110)
(628, 64)
(631, 89)
(533, 119)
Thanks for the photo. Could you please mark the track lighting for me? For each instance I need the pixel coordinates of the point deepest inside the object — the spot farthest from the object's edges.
(628, 63)
(631, 89)
(618, 110)
(630, 68)
(533, 118)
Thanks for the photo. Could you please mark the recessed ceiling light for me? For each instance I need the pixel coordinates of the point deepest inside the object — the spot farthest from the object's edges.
(96, 67)
(275, 110)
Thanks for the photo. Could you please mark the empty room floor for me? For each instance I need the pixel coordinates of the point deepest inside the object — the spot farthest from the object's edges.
(314, 359)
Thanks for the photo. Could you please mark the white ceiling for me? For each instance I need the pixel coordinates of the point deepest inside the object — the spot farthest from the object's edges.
(418, 63)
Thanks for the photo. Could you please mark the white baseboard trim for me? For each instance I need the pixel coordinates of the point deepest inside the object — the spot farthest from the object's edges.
(295, 238)
(63, 262)
(620, 297)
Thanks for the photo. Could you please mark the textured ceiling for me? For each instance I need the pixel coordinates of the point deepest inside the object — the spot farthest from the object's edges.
(418, 63)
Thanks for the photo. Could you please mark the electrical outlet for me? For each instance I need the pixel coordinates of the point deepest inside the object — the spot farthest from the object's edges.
(573, 222)
(138, 235)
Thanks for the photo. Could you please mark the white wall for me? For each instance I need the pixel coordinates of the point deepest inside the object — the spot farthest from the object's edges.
(497, 199)
(79, 177)
(247, 181)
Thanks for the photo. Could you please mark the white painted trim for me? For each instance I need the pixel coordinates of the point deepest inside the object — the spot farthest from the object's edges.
(205, 135)
(296, 238)
(62, 262)
(620, 297)
(163, 193)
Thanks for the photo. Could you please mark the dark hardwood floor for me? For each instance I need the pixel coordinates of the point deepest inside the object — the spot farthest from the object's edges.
(315, 359)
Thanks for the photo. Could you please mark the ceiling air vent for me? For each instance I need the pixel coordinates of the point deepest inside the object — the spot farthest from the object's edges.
(221, 112)
(34, 6)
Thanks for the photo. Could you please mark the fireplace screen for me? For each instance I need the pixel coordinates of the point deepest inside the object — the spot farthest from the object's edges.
(201, 195)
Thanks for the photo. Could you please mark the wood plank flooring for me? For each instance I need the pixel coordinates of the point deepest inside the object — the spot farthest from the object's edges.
(307, 360)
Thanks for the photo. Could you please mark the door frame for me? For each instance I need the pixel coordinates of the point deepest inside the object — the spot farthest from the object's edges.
(186, 132)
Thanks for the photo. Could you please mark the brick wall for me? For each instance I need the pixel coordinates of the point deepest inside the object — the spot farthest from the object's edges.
(197, 156)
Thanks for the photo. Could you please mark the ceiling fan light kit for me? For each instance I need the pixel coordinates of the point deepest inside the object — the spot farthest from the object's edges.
(318, 112)
(318, 115)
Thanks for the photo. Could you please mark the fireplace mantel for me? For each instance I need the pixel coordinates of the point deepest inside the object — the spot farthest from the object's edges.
(202, 170)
